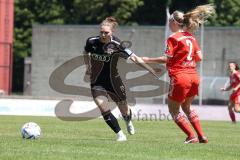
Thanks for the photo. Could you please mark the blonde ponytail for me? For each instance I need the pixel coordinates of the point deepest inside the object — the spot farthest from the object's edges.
(192, 19)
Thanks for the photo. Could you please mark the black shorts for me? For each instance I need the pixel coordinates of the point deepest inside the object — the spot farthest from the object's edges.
(114, 88)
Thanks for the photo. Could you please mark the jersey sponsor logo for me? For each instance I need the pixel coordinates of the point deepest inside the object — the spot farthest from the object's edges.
(189, 64)
(102, 58)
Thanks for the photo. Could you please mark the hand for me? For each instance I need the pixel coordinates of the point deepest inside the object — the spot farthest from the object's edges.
(145, 59)
(235, 89)
(223, 89)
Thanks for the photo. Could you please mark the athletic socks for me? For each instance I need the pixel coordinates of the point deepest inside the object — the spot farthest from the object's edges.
(184, 125)
(232, 116)
(111, 121)
(127, 118)
(129, 124)
(194, 120)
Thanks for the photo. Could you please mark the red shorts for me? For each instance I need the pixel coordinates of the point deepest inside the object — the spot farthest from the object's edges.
(235, 98)
(182, 86)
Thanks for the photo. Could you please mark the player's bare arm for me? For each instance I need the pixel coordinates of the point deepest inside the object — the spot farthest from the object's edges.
(86, 61)
(225, 88)
(161, 59)
(139, 61)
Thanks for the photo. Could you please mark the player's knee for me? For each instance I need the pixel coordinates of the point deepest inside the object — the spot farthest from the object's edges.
(175, 114)
(101, 101)
(186, 110)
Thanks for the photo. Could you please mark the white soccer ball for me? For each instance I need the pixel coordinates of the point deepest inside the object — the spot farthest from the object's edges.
(30, 130)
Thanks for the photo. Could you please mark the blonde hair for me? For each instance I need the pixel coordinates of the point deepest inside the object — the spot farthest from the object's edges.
(111, 22)
(193, 18)
(177, 16)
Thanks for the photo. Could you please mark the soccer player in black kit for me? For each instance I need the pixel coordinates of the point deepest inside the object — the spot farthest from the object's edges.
(105, 80)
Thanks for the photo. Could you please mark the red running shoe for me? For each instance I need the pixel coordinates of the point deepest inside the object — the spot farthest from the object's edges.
(191, 140)
(203, 139)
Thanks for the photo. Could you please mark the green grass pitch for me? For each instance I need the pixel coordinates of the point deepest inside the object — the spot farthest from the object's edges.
(93, 140)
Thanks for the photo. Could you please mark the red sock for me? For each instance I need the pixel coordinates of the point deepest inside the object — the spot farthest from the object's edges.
(184, 125)
(232, 116)
(194, 120)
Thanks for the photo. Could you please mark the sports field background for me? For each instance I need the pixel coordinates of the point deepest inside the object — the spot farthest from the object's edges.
(93, 140)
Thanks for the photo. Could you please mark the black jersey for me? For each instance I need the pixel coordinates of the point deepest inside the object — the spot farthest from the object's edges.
(103, 65)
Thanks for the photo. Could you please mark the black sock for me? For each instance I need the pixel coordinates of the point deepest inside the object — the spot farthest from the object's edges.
(111, 121)
(127, 117)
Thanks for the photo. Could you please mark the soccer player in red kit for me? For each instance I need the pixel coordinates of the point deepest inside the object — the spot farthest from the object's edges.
(181, 57)
(234, 100)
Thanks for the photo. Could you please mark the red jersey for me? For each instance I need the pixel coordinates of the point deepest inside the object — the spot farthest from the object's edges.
(235, 80)
(182, 49)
